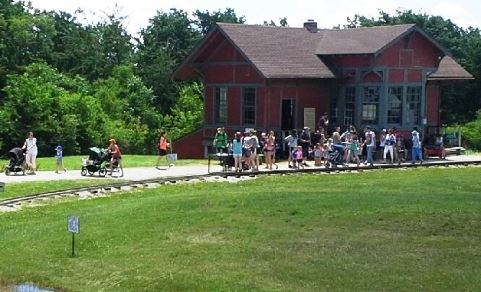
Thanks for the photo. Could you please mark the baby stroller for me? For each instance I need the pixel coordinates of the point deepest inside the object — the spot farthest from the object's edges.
(17, 161)
(335, 156)
(98, 160)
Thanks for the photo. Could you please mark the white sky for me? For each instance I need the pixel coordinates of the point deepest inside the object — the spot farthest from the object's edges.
(327, 13)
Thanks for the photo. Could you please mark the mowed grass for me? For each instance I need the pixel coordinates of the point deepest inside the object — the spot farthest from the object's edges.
(18, 189)
(128, 160)
(396, 230)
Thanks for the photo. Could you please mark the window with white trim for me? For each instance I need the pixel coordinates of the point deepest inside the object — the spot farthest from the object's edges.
(221, 105)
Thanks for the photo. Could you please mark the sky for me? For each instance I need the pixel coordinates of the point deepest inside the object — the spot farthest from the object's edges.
(327, 13)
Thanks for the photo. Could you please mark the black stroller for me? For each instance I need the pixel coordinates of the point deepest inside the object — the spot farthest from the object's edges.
(335, 156)
(98, 160)
(17, 161)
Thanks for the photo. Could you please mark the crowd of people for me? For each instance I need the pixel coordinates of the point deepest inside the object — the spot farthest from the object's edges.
(339, 147)
(244, 150)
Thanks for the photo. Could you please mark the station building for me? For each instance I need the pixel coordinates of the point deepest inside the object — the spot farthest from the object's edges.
(278, 78)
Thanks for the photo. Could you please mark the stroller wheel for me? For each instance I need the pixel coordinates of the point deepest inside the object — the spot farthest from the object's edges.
(328, 164)
(83, 172)
(103, 172)
(7, 171)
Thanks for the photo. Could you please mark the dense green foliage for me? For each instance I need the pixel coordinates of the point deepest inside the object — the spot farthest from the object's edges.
(375, 233)
(79, 85)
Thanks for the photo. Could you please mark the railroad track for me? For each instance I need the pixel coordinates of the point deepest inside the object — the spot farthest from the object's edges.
(16, 203)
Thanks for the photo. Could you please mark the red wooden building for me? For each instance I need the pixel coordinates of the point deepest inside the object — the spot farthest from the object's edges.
(280, 78)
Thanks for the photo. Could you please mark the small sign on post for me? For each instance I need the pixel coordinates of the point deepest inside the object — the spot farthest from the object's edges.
(73, 226)
(2, 186)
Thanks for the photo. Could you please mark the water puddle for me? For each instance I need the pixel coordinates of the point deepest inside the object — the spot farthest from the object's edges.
(27, 287)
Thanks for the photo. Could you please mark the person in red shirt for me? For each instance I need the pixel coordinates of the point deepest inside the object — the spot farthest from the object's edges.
(116, 156)
(163, 145)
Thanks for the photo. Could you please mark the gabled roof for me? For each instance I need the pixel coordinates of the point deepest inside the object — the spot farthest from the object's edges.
(365, 40)
(449, 69)
(278, 52)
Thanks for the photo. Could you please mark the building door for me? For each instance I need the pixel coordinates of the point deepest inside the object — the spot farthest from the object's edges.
(288, 114)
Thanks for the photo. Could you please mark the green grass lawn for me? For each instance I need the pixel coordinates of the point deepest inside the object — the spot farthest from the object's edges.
(396, 230)
(17, 189)
(128, 160)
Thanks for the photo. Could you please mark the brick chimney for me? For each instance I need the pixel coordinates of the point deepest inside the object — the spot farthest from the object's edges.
(310, 25)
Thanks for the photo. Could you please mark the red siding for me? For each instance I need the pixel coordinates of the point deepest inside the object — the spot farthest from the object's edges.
(209, 96)
(415, 75)
(412, 50)
(246, 74)
(223, 53)
(189, 146)
(424, 52)
(390, 56)
(396, 75)
(350, 61)
(433, 103)
(371, 77)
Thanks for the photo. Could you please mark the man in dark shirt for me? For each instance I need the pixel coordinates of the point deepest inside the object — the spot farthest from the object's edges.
(305, 142)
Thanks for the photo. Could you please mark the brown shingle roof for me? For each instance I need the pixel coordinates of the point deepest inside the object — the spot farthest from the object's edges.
(279, 52)
(449, 69)
(366, 40)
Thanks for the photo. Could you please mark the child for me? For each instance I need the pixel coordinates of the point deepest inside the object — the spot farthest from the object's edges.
(318, 153)
(59, 156)
(298, 156)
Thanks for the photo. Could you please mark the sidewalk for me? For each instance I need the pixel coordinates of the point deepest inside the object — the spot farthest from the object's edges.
(142, 173)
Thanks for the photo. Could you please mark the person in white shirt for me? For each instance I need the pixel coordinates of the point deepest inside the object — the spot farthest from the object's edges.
(30, 146)
(370, 145)
(417, 149)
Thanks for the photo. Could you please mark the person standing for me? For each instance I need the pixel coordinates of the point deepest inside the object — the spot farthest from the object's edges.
(382, 144)
(163, 145)
(291, 145)
(389, 145)
(305, 143)
(370, 143)
(116, 156)
(30, 146)
(59, 158)
(237, 151)
(323, 123)
(220, 140)
(417, 149)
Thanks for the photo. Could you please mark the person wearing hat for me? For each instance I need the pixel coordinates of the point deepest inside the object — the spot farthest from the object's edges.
(220, 140)
(59, 157)
(417, 149)
(116, 156)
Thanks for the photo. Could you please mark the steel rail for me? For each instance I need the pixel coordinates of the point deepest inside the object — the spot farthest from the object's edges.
(136, 184)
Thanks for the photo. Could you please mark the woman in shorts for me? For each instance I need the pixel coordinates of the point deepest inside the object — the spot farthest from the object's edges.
(163, 145)
(237, 151)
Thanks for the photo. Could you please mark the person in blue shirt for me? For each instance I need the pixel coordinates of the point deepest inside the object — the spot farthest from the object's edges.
(237, 151)
(417, 149)
(59, 157)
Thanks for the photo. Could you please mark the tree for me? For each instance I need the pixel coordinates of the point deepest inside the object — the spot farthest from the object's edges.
(282, 22)
(163, 46)
(206, 20)
(188, 113)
